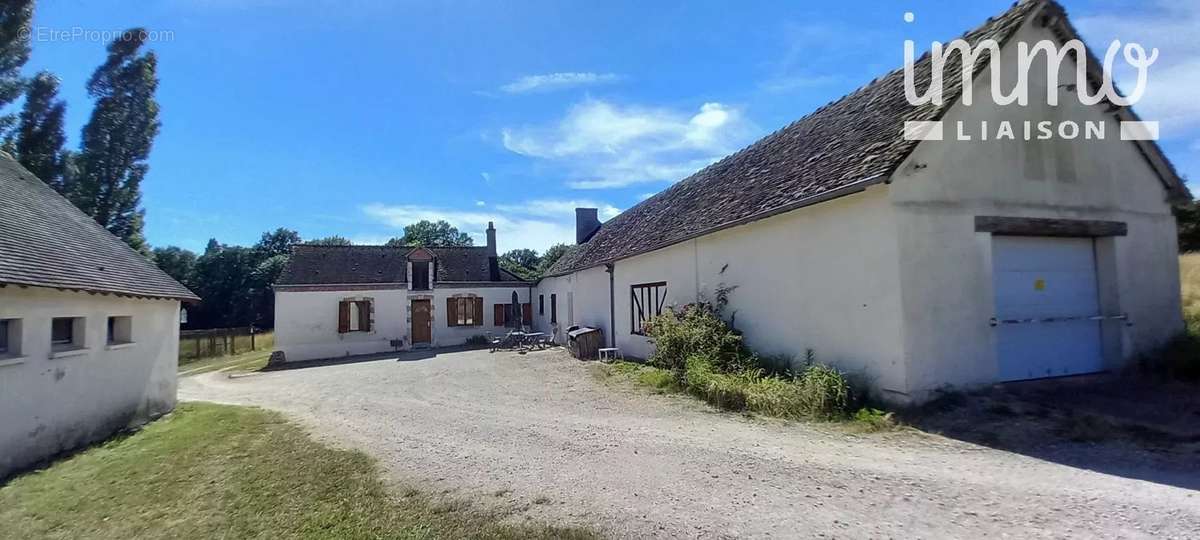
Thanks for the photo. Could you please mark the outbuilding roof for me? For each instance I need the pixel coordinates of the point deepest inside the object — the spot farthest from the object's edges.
(837, 149)
(338, 265)
(46, 242)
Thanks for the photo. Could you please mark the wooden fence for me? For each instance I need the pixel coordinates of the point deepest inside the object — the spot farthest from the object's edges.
(196, 344)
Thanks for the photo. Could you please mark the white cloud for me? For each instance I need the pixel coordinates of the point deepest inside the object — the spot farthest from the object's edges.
(536, 224)
(604, 145)
(557, 208)
(550, 82)
(480, 203)
(1171, 88)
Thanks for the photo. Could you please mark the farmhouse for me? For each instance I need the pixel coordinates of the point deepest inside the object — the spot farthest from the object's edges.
(914, 264)
(335, 301)
(89, 328)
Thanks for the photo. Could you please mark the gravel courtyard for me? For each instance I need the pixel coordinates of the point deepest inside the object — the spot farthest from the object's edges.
(539, 435)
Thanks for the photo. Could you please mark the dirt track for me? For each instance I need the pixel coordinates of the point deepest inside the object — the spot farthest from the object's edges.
(540, 435)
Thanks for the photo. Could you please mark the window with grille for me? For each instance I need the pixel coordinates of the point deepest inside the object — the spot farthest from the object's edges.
(645, 303)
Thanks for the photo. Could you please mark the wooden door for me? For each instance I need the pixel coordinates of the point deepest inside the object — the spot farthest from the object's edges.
(422, 326)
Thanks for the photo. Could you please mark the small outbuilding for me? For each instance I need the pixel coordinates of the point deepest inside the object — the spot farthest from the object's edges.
(89, 328)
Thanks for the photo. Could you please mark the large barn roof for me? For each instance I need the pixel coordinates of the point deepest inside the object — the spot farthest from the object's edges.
(46, 242)
(837, 149)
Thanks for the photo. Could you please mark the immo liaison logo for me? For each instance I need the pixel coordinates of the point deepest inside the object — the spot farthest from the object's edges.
(935, 130)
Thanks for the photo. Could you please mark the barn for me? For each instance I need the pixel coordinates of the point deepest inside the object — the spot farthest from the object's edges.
(913, 263)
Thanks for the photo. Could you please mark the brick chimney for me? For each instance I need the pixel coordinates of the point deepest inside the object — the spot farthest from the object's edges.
(586, 224)
(493, 263)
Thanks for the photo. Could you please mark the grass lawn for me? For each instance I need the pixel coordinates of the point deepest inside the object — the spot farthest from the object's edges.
(250, 361)
(217, 471)
(187, 346)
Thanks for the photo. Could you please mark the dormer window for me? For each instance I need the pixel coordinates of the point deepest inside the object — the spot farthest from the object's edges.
(420, 264)
(420, 270)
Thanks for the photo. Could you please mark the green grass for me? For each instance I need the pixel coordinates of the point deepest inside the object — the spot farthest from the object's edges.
(250, 361)
(217, 471)
(187, 347)
(804, 399)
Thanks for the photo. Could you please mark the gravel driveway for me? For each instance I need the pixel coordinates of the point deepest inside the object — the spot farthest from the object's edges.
(539, 434)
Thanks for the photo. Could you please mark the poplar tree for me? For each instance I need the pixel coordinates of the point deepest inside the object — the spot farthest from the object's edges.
(117, 139)
(15, 25)
(39, 138)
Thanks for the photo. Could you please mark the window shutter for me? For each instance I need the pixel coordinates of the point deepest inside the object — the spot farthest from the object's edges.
(451, 312)
(364, 316)
(527, 312)
(498, 314)
(478, 311)
(343, 317)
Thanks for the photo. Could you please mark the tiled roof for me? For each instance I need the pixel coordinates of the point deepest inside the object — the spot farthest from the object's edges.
(336, 265)
(46, 242)
(838, 148)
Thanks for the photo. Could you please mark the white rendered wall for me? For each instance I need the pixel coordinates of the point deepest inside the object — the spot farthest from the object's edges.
(946, 266)
(306, 322)
(824, 277)
(50, 405)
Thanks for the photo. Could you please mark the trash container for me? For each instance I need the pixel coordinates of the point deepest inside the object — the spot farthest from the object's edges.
(584, 342)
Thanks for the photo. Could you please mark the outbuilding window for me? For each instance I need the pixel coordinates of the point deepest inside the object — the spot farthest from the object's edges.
(354, 316)
(4, 326)
(66, 333)
(541, 305)
(645, 303)
(553, 309)
(120, 330)
(464, 311)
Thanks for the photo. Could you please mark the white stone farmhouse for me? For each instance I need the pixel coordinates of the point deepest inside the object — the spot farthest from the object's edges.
(915, 264)
(89, 328)
(337, 301)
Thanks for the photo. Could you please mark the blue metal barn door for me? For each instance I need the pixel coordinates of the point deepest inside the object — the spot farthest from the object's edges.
(1047, 307)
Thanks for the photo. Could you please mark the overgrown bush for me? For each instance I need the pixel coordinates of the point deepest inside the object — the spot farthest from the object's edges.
(708, 359)
(696, 330)
(819, 392)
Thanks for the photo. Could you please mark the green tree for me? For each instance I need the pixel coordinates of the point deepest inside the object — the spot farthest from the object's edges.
(522, 262)
(224, 279)
(117, 139)
(39, 137)
(15, 23)
(551, 256)
(1187, 216)
(278, 242)
(428, 233)
(177, 262)
(334, 240)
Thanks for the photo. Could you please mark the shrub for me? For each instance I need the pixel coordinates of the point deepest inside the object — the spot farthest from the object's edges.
(819, 392)
(825, 391)
(696, 330)
(477, 340)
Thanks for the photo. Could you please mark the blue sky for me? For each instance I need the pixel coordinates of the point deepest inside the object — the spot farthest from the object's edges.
(355, 117)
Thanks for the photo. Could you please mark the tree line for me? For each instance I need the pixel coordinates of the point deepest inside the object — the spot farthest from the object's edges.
(103, 176)
(235, 282)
